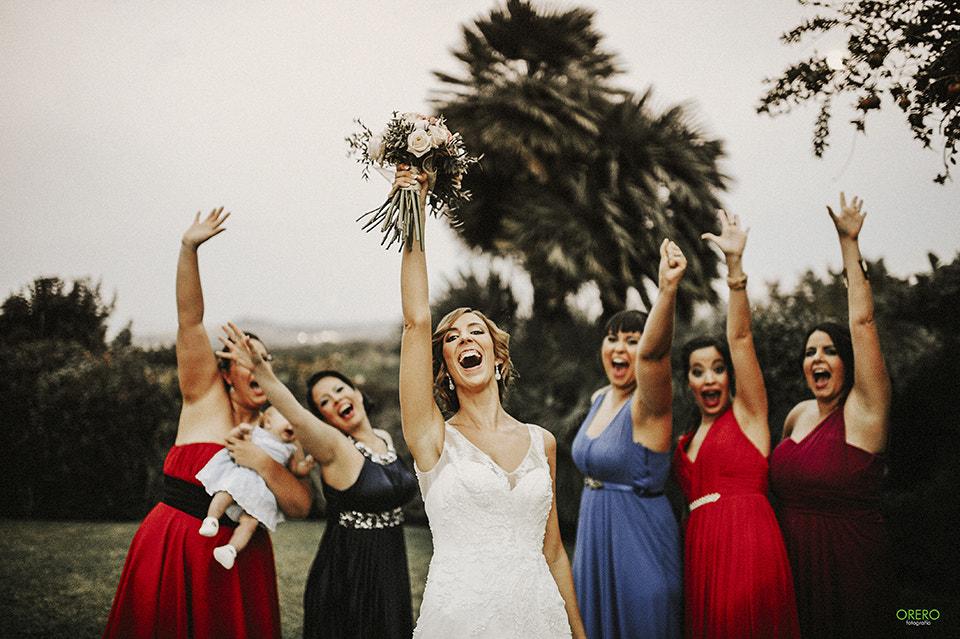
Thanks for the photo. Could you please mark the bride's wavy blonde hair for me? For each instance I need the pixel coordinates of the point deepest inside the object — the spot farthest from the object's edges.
(447, 398)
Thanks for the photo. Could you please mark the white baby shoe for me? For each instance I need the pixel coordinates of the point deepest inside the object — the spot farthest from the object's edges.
(210, 527)
(225, 555)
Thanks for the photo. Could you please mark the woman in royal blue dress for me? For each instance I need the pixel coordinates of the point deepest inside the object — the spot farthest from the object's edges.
(627, 565)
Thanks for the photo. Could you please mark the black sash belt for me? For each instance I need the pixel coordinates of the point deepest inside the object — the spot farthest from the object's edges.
(189, 498)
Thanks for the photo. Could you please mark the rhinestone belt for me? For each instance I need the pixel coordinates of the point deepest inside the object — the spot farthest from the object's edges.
(371, 521)
(702, 501)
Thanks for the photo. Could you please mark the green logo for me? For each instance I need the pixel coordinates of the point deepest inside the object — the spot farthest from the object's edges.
(918, 616)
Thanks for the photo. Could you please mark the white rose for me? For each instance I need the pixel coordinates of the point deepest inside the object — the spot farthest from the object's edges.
(439, 135)
(418, 142)
(376, 148)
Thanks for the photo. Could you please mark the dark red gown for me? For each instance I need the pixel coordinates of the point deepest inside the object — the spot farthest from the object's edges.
(737, 581)
(835, 536)
(172, 587)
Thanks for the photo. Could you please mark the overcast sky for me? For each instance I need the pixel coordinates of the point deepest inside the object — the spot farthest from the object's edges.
(119, 120)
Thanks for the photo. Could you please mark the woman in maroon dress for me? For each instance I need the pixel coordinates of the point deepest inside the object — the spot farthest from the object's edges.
(828, 469)
(737, 581)
(170, 586)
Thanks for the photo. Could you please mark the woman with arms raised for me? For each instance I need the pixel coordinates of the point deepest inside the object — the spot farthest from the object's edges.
(359, 585)
(171, 586)
(499, 568)
(627, 565)
(736, 577)
(829, 468)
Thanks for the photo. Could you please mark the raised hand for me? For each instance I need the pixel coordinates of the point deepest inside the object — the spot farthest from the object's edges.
(850, 220)
(732, 238)
(406, 177)
(301, 464)
(239, 347)
(202, 230)
(672, 264)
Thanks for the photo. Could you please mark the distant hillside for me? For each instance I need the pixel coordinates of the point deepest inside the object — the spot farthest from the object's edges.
(284, 335)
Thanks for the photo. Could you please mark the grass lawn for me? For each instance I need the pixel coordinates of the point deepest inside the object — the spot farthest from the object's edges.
(57, 579)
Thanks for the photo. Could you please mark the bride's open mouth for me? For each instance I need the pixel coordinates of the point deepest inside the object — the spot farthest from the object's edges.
(470, 359)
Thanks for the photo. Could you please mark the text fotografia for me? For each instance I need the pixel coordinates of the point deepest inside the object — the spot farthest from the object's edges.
(918, 616)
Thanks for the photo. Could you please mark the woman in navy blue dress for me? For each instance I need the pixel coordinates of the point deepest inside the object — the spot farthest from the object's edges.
(627, 566)
(359, 584)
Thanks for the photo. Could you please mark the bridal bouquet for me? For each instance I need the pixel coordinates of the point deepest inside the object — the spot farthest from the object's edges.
(426, 145)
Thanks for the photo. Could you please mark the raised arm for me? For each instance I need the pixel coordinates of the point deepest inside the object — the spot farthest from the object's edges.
(340, 461)
(750, 403)
(654, 395)
(867, 410)
(196, 364)
(421, 418)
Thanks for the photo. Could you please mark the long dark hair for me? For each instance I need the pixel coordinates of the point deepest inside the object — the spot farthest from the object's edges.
(840, 335)
(706, 341)
(314, 379)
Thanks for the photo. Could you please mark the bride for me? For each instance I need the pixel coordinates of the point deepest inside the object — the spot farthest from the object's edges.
(499, 568)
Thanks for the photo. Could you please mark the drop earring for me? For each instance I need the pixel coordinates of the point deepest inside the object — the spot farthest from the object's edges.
(496, 373)
(450, 382)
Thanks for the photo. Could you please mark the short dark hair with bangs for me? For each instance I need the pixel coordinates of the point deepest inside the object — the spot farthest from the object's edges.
(629, 321)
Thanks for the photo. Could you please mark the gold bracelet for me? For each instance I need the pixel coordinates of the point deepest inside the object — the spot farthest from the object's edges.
(192, 248)
(737, 283)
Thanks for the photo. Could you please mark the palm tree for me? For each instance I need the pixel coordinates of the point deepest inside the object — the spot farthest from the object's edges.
(579, 180)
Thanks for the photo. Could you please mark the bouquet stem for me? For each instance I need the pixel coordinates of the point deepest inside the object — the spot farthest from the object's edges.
(398, 218)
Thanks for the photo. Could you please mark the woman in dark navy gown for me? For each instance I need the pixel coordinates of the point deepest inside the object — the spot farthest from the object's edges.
(359, 585)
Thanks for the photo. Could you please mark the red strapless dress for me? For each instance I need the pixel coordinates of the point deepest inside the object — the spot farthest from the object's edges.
(172, 587)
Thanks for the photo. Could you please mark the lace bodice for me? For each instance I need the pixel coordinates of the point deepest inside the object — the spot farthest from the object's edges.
(488, 575)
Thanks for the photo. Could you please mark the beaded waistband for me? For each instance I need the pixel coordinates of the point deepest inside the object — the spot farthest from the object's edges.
(702, 501)
(371, 521)
(595, 484)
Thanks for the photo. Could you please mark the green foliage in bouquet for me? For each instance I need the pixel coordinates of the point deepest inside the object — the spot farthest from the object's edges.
(426, 145)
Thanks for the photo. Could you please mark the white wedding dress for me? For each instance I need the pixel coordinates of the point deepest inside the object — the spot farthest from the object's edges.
(488, 576)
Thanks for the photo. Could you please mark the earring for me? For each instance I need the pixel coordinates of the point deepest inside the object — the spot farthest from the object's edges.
(450, 381)
(496, 373)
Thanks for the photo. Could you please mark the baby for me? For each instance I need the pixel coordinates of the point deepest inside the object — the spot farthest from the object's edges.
(240, 492)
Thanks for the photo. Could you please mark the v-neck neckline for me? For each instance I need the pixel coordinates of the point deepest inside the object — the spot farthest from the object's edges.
(490, 458)
(594, 438)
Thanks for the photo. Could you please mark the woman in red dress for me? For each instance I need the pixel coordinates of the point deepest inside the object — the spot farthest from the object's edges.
(170, 586)
(737, 581)
(827, 471)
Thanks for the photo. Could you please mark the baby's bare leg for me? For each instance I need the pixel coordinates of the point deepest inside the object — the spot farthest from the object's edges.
(244, 532)
(218, 506)
(226, 555)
